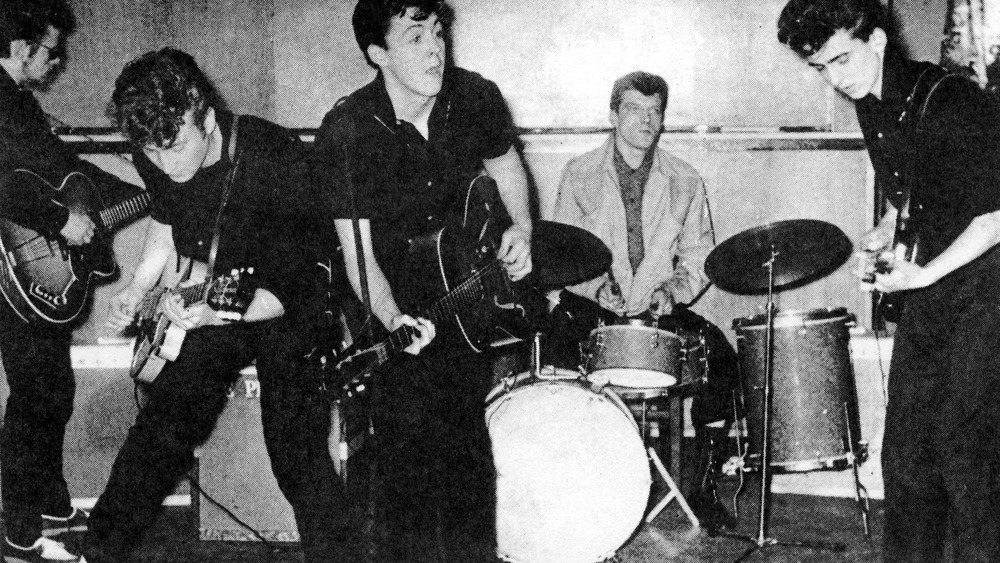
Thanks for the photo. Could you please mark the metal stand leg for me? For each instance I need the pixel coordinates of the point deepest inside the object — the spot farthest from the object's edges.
(763, 541)
(674, 493)
(860, 491)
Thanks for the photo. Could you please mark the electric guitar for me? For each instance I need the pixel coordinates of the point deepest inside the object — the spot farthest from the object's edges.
(905, 247)
(159, 340)
(44, 279)
(475, 297)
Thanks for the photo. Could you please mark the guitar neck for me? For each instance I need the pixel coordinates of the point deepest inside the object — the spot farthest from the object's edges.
(463, 296)
(193, 293)
(124, 210)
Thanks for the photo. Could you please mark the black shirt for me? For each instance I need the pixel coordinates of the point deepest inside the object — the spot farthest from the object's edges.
(947, 143)
(26, 141)
(271, 222)
(405, 184)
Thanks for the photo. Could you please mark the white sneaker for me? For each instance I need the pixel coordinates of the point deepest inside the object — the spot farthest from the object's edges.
(43, 550)
(55, 525)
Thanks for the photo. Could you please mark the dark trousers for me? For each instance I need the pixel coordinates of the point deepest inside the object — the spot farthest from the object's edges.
(435, 483)
(40, 376)
(941, 448)
(183, 407)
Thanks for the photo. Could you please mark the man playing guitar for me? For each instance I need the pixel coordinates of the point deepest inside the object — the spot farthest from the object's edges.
(403, 149)
(36, 356)
(232, 191)
(933, 142)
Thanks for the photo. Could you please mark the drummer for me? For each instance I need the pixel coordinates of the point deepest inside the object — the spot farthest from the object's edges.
(651, 209)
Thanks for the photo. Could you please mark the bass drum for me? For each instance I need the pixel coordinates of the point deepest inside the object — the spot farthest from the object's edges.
(572, 474)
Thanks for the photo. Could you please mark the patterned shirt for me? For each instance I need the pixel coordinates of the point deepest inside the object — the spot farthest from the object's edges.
(633, 184)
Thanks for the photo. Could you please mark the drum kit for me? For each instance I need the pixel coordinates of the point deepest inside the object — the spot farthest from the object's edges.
(573, 472)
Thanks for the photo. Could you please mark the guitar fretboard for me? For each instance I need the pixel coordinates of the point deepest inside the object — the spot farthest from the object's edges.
(466, 294)
(124, 210)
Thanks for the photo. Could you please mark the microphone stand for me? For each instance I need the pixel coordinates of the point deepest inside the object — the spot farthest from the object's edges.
(763, 541)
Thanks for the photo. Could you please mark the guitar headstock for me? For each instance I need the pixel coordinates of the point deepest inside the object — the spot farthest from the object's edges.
(230, 294)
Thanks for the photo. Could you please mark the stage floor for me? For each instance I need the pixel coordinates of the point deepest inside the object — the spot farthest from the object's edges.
(670, 537)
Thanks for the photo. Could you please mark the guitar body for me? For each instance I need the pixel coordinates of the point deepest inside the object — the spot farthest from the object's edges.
(158, 340)
(906, 247)
(460, 261)
(473, 299)
(44, 279)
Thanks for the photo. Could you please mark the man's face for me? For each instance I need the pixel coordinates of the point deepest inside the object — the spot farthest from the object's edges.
(47, 56)
(638, 119)
(414, 54)
(853, 66)
(189, 151)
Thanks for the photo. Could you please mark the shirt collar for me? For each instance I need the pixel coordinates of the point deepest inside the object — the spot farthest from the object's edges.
(619, 160)
(893, 83)
(382, 108)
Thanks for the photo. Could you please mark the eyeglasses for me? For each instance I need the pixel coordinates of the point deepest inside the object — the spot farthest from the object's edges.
(57, 52)
(638, 112)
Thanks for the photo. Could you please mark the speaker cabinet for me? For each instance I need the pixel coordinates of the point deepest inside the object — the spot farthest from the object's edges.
(234, 469)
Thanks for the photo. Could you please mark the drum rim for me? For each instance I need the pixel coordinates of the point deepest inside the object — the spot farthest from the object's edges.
(527, 379)
(792, 317)
(631, 327)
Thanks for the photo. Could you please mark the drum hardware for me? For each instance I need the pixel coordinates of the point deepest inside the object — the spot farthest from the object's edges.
(860, 491)
(632, 355)
(677, 415)
(748, 263)
(815, 401)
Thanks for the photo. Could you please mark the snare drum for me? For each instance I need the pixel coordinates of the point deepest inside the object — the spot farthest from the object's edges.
(632, 355)
(814, 404)
(572, 474)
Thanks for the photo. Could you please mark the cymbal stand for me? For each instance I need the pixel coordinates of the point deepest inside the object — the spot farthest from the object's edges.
(762, 541)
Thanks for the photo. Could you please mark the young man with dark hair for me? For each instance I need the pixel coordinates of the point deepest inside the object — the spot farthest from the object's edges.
(933, 141)
(36, 356)
(233, 191)
(404, 148)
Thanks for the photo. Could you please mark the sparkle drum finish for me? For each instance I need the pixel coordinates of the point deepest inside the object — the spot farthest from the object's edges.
(814, 401)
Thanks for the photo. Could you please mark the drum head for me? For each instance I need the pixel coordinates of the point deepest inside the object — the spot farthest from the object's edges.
(572, 474)
(631, 377)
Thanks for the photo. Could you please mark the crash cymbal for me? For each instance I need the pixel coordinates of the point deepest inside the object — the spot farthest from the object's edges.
(806, 250)
(566, 255)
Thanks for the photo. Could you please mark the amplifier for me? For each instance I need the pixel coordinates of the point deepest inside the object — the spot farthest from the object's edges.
(234, 469)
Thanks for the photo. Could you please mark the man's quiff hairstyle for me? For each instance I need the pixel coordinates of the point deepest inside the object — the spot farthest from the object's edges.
(29, 20)
(643, 82)
(372, 19)
(806, 25)
(154, 91)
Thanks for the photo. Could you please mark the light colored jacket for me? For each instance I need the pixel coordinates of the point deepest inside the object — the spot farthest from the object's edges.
(675, 224)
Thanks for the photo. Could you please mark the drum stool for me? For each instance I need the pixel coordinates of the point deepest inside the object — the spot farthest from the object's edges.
(675, 419)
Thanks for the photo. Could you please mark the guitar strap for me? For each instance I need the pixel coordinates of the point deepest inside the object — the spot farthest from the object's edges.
(226, 190)
(356, 225)
(910, 119)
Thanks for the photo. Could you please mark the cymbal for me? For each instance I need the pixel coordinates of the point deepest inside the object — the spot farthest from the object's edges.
(566, 255)
(805, 250)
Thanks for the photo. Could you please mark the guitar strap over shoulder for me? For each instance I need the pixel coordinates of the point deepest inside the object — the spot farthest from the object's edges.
(226, 190)
(356, 226)
(913, 114)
